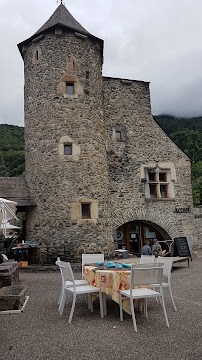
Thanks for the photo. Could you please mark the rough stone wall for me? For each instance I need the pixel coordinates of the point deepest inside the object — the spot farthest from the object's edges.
(101, 171)
(56, 182)
(198, 226)
(127, 109)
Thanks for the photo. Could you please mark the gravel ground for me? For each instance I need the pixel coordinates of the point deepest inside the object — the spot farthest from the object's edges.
(40, 333)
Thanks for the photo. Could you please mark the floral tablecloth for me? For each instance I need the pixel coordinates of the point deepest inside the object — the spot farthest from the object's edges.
(110, 282)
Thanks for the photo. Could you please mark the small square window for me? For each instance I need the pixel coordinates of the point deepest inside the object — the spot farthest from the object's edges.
(85, 210)
(118, 135)
(68, 149)
(152, 176)
(70, 88)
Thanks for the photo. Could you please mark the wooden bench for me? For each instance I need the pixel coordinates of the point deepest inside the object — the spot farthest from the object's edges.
(177, 259)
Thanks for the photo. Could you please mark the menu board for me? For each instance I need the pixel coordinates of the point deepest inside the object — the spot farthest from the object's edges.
(181, 247)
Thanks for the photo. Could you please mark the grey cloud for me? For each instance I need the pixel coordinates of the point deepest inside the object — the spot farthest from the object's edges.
(152, 40)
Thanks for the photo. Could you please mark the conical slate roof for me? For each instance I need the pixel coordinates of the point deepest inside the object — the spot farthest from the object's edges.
(62, 16)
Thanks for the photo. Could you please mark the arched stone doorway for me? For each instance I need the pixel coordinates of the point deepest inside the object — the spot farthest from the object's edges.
(132, 235)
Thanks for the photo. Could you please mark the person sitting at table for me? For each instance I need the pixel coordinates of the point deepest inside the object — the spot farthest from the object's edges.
(146, 250)
(156, 249)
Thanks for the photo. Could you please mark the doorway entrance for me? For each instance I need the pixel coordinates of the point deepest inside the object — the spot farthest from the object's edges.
(132, 235)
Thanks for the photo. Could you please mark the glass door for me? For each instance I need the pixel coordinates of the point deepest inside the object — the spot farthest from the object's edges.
(134, 237)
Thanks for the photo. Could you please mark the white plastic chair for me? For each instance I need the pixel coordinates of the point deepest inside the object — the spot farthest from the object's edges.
(90, 259)
(168, 262)
(68, 275)
(170, 245)
(143, 275)
(67, 283)
(147, 259)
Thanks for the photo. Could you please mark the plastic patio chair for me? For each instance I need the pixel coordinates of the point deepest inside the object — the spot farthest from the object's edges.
(77, 290)
(147, 259)
(90, 259)
(169, 244)
(144, 274)
(67, 283)
(168, 262)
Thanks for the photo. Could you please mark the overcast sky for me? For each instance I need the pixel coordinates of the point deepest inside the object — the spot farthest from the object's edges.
(152, 40)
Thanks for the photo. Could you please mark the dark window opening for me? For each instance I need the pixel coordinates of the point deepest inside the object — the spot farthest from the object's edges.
(68, 149)
(153, 192)
(152, 176)
(163, 191)
(118, 135)
(37, 55)
(73, 66)
(70, 88)
(162, 177)
(85, 210)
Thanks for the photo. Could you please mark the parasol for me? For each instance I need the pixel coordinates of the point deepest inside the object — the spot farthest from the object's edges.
(7, 212)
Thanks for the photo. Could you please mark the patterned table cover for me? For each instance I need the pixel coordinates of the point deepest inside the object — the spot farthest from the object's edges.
(110, 282)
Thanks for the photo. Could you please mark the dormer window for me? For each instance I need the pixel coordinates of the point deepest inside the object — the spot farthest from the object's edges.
(70, 88)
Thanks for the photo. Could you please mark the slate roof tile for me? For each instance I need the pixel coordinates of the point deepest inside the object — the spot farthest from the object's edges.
(63, 17)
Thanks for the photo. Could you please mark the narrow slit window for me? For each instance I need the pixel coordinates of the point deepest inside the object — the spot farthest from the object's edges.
(73, 66)
(70, 88)
(68, 149)
(118, 135)
(37, 55)
(85, 209)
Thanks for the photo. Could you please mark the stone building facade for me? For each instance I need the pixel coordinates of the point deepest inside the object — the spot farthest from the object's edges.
(198, 226)
(100, 171)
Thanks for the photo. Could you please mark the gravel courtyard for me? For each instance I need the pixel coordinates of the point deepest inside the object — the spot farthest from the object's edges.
(41, 334)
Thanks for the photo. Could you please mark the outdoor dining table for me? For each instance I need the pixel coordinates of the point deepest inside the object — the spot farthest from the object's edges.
(110, 281)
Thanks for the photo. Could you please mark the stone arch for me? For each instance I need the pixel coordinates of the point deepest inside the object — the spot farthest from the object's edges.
(158, 221)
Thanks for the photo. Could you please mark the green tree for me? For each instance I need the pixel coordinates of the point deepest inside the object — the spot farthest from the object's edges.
(196, 176)
(3, 171)
(12, 150)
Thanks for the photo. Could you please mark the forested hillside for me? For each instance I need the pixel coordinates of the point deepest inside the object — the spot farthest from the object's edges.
(186, 133)
(12, 157)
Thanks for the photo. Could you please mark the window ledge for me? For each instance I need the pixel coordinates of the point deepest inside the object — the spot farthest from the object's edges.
(67, 158)
(87, 221)
(69, 96)
(160, 199)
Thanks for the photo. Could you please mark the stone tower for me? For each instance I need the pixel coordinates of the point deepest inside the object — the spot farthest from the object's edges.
(65, 140)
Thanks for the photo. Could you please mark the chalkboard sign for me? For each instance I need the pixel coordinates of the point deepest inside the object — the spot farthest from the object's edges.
(181, 247)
